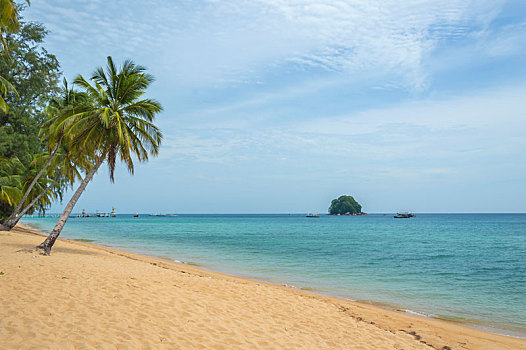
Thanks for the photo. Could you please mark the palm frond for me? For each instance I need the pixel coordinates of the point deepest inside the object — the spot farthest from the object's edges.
(116, 122)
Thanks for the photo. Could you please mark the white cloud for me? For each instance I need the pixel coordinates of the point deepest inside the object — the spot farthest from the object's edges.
(434, 136)
(213, 42)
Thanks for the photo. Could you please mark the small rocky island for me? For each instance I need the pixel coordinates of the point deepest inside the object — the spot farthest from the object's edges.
(345, 205)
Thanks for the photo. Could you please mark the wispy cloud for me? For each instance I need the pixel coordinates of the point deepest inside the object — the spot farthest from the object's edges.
(213, 42)
(281, 94)
(459, 132)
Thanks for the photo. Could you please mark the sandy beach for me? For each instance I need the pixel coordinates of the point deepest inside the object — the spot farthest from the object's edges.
(85, 296)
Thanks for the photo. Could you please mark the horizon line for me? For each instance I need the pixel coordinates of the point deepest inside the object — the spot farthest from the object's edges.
(279, 213)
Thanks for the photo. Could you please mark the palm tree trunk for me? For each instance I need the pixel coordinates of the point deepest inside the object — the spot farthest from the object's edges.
(50, 240)
(21, 203)
(11, 222)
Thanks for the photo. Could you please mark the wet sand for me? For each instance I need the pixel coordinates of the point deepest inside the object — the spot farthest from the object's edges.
(85, 296)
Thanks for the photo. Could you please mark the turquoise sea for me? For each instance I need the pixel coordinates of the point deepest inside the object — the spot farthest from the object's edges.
(468, 268)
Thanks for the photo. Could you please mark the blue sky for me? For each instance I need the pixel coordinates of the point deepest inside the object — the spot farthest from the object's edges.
(279, 106)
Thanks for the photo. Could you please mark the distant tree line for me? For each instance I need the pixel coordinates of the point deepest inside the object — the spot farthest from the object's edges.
(54, 135)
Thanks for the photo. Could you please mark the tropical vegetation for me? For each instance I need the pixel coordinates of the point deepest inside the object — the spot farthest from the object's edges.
(116, 123)
(9, 13)
(345, 205)
(52, 137)
(33, 75)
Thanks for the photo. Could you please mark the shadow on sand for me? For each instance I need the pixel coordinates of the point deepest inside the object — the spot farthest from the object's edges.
(29, 248)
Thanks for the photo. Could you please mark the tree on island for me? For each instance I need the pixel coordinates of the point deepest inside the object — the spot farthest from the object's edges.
(344, 205)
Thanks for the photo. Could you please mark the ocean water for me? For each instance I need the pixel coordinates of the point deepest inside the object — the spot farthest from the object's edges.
(468, 268)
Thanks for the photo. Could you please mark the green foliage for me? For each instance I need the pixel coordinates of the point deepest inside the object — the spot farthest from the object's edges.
(10, 180)
(51, 172)
(9, 23)
(117, 122)
(9, 16)
(5, 210)
(68, 161)
(29, 78)
(10, 185)
(344, 205)
(29, 174)
(34, 73)
(5, 88)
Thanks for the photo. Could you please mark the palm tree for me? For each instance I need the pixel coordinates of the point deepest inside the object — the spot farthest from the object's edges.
(8, 24)
(8, 19)
(10, 181)
(69, 102)
(5, 88)
(117, 125)
(64, 171)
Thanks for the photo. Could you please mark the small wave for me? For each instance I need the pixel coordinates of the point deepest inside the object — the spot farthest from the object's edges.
(441, 256)
(411, 312)
(308, 289)
(456, 319)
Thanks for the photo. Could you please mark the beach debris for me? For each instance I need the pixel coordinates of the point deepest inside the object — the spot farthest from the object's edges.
(35, 256)
(1, 273)
(343, 308)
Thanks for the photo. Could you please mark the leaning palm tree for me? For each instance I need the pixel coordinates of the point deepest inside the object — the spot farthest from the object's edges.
(68, 102)
(62, 173)
(117, 125)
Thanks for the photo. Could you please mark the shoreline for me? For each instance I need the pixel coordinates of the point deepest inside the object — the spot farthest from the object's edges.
(314, 312)
(474, 324)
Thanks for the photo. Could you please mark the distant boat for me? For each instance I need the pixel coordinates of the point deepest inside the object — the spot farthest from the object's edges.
(157, 215)
(311, 215)
(136, 215)
(405, 215)
(84, 214)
